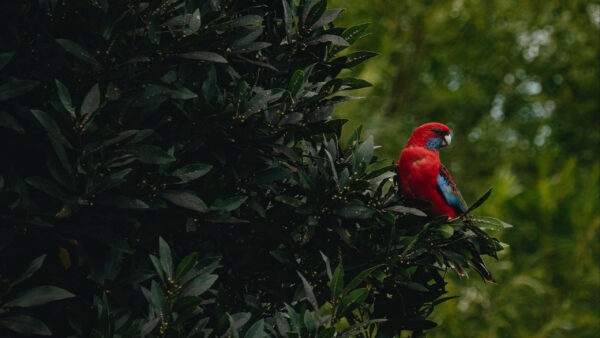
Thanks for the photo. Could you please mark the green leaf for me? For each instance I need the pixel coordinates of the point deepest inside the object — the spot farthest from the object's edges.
(281, 323)
(154, 155)
(291, 118)
(254, 46)
(288, 18)
(327, 265)
(406, 210)
(183, 93)
(479, 201)
(154, 33)
(364, 153)
(271, 175)
(187, 263)
(327, 17)
(46, 121)
(352, 83)
(209, 84)
(159, 301)
(65, 97)
(354, 329)
(353, 33)
(236, 322)
(232, 332)
(185, 199)
(328, 333)
(31, 268)
(229, 204)
(38, 296)
(194, 24)
(321, 114)
(47, 187)
(315, 13)
(8, 121)
(489, 223)
(91, 101)
(309, 321)
(166, 258)
(289, 200)
(247, 20)
(335, 40)
(308, 290)
(354, 138)
(158, 267)
(5, 58)
(128, 203)
(25, 325)
(199, 285)
(354, 210)
(414, 286)
(13, 87)
(148, 326)
(294, 320)
(360, 278)
(352, 300)
(296, 82)
(446, 231)
(253, 34)
(78, 51)
(204, 56)
(337, 282)
(257, 330)
(308, 4)
(199, 327)
(356, 58)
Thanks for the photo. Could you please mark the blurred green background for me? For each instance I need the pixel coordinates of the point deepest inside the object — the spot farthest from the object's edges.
(518, 82)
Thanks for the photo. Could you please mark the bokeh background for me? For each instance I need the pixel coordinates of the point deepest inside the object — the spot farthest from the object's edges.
(518, 82)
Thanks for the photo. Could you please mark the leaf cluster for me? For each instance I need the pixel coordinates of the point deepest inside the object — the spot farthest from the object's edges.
(205, 125)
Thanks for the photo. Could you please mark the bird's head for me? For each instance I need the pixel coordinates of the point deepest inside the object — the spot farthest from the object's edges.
(433, 136)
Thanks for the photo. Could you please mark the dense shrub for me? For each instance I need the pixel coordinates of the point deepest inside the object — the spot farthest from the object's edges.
(172, 168)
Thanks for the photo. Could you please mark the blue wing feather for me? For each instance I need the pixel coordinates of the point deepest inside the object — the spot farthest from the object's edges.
(449, 191)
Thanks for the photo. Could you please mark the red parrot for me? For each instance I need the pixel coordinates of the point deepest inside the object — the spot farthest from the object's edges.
(423, 176)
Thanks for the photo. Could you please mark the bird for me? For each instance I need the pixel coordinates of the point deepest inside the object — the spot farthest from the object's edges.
(422, 176)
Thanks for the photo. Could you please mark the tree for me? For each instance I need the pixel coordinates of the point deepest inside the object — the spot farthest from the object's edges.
(206, 126)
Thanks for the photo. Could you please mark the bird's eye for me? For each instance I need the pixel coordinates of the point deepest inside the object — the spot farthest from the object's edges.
(438, 131)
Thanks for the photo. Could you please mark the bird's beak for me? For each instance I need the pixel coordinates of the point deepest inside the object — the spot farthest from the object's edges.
(446, 140)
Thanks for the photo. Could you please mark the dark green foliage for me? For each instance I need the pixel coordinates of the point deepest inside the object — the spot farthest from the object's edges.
(204, 126)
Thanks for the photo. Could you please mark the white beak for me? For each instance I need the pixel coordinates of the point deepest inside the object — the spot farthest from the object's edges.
(446, 141)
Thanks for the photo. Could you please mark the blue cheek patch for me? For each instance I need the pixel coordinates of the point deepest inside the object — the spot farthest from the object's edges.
(434, 143)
